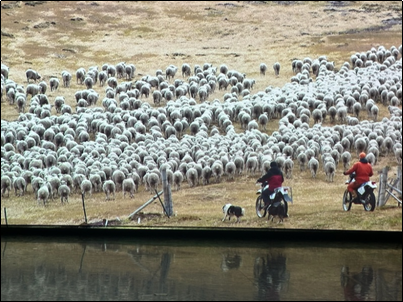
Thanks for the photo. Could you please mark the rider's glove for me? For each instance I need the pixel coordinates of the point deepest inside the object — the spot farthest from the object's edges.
(344, 173)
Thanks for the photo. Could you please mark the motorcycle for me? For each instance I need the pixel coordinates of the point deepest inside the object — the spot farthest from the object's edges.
(278, 198)
(365, 195)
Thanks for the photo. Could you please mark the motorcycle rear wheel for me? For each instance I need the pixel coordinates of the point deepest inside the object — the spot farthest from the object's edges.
(369, 204)
(347, 200)
(261, 208)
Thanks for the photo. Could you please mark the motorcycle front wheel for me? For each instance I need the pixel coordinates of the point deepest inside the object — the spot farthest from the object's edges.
(369, 204)
(261, 209)
(347, 201)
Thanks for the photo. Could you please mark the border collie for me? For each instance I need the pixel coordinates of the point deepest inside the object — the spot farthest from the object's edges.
(276, 209)
(231, 210)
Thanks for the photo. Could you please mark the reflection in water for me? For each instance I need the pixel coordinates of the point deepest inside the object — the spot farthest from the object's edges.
(356, 285)
(271, 276)
(155, 270)
(230, 261)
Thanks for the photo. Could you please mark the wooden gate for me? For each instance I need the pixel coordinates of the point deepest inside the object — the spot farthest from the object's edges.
(390, 187)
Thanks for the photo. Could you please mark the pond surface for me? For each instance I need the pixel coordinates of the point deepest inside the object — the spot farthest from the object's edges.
(82, 269)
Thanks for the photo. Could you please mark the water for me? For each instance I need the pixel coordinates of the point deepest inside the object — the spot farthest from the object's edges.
(43, 268)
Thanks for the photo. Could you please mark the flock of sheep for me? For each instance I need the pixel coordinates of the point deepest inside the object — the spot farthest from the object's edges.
(125, 137)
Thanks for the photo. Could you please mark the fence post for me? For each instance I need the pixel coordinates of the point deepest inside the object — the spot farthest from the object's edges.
(399, 175)
(167, 192)
(383, 184)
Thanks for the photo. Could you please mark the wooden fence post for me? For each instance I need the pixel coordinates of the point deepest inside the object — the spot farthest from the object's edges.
(167, 192)
(383, 184)
(399, 175)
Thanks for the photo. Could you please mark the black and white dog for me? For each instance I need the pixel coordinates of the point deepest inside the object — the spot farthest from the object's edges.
(276, 209)
(231, 210)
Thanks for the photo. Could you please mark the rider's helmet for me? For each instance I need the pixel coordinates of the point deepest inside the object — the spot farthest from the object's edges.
(362, 155)
(273, 164)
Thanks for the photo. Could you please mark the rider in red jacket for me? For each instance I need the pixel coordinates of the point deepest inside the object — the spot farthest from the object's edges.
(274, 178)
(363, 171)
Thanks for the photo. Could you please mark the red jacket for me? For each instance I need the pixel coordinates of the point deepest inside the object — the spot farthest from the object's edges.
(363, 171)
(274, 177)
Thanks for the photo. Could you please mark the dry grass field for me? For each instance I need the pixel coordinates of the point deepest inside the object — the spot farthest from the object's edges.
(54, 36)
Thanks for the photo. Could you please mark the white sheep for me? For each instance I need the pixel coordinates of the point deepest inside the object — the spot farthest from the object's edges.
(109, 188)
(128, 186)
(313, 166)
(288, 167)
(64, 192)
(86, 186)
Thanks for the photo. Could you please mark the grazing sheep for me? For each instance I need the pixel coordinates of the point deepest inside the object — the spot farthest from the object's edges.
(207, 172)
(357, 109)
(217, 170)
(136, 179)
(330, 169)
(252, 165)
(86, 186)
(130, 69)
(5, 185)
(222, 83)
(102, 77)
(374, 112)
(317, 116)
(276, 67)
(336, 156)
(192, 177)
(4, 70)
(387, 145)
(177, 179)
(170, 72)
(64, 192)
(112, 82)
(120, 69)
(32, 75)
(80, 75)
(360, 145)
(88, 82)
(108, 188)
(263, 120)
(398, 155)
(230, 170)
(302, 161)
(157, 97)
(186, 70)
(96, 182)
(371, 158)
(66, 77)
(263, 68)
(43, 86)
(223, 69)
(342, 114)
(151, 180)
(43, 192)
(128, 186)
(78, 178)
(32, 89)
(20, 100)
(145, 90)
(313, 166)
(288, 167)
(252, 125)
(346, 158)
(118, 177)
(10, 93)
(110, 70)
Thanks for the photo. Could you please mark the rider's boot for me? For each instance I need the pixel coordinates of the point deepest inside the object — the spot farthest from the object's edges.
(353, 195)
